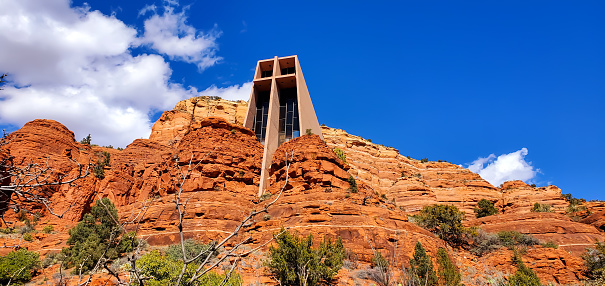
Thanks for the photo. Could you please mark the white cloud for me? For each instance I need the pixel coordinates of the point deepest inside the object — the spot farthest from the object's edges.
(75, 66)
(148, 8)
(506, 167)
(234, 92)
(169, 34)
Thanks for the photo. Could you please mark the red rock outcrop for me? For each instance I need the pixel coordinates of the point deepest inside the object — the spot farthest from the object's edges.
(519, 197)
(569, 235)
(48, 143)
(318, 200)
(174, 124)
(555, 266)
(221, 162)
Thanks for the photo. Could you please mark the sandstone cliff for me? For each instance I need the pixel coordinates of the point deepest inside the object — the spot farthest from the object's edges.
(222, 161)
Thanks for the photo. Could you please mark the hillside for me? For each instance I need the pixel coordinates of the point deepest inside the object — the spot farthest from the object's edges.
(222, 186)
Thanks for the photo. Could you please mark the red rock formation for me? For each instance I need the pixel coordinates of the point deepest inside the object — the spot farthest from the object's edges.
(221, 189)
(174, 124)
(519, 197)
(570, 236)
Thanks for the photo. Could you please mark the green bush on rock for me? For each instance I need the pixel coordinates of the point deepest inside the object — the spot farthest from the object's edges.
(18, 266)
(296, 262)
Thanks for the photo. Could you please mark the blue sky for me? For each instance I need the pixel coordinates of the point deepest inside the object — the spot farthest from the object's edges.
(524, 81)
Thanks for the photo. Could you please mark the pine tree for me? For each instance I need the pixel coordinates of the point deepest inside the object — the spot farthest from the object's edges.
(421, 267)
(96, 236)
(448, 274)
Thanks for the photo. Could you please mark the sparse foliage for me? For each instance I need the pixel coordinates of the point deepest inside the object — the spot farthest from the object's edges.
(421, 267)
(594, 262)
(541, 208)
(448, 273)
(192, 249)
(48, 229)
(99, 168)
(485, 242)
(523, 276)
(161, 270)
(18, 266)
(352, 185)
(512, 239)
(380, 271)
(95, 237)
(86, 140)
(340, 154)
(296, 262)
(485, 208)
(550, 244)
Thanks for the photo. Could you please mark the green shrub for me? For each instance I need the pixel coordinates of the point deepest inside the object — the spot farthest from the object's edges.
(18, 266)
(192, 249)
(444, 220)
(523, 276)
(550, 244)
(48, 229)
(295, 258)
(7, 230)
(485, 208)
(309, 131)
(424, 160)
(421, 267)
(340, 154)
(28, 237)
(512, 239)
(448, 274)
(163, 271)
(541, 208)
(594, 262)
(265, 196)
(352, 185)
(96, 233)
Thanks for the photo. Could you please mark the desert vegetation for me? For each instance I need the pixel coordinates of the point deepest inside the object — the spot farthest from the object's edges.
(445, 221)
(485, 208)
(296, 262)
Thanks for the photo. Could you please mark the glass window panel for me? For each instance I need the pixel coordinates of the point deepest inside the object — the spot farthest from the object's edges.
(289, 118)
(296, 127)
(289, 131)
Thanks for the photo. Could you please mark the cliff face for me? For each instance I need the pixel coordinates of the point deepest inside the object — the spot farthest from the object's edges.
(174, 124)
(221, 161)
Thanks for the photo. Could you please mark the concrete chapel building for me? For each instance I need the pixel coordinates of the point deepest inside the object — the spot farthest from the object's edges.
(279, 108)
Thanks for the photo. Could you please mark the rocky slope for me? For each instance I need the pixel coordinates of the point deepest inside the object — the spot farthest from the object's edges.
(221, 161)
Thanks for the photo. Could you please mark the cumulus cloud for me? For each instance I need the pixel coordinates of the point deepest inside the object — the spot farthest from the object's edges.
(75, 65)
(169, 34)
(234, 92)
(506, 167)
